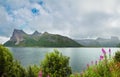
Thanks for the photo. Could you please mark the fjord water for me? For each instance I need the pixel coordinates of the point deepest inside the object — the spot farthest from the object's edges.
(79, 57)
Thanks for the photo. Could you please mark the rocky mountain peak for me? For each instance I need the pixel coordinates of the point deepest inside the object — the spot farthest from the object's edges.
(45, 33)
(36, 33)
(17, 36)
(20, 38)
(18, 31)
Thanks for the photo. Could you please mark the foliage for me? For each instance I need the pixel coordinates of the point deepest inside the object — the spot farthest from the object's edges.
(32, 71)
(56, 65)
(12, 68)
(8, 66)
(106, 67)
(10, 43)
(5, 60)
(16, 70)
(117, 56)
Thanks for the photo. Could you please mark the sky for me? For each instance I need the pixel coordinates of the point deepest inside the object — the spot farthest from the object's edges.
(73, 18)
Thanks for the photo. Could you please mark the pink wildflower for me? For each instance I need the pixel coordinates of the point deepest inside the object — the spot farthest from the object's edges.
(48, 76)
(101, 57)
(40, 74)
(104, 52)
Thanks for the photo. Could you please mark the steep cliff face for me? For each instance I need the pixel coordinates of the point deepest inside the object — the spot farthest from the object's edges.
(20, 38)
(17, 36)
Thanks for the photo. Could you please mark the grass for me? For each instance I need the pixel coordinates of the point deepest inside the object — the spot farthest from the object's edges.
(105, 67)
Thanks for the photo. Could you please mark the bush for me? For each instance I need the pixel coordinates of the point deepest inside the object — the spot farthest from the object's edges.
(117, 56)
(56, 65)
(8, 66)
(6, 60)
(32, 71)
(16, 70)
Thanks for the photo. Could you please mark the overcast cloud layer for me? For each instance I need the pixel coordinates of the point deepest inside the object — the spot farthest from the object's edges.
(73, 18)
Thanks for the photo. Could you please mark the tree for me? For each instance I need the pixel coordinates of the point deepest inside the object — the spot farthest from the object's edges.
(117, 56)
(56, 65)
(8, 66)
(6, 60)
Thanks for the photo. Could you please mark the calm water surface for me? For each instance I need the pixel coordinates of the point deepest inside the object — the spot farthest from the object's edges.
(79, 57)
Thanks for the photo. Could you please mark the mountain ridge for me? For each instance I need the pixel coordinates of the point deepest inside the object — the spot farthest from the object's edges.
(100, 42)
(21, 39)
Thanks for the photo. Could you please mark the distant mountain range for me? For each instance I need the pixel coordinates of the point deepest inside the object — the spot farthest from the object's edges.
(100, 42)
(21, 39)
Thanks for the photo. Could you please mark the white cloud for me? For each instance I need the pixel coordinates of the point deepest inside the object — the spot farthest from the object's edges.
(74, 18)
(3, 39)
(113, 23)
(5, 22)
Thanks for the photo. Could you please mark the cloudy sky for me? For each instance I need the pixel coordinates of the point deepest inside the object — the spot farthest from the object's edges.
(74, 18)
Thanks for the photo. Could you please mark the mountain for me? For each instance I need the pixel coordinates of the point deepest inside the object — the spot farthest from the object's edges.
(20, 38)
(112, 42)
(36, 33)
(88, 42)
(100, 42)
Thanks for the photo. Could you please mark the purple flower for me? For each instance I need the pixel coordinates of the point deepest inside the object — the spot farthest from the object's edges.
(96, 62)
(101, 57)
(109, 53)
(104, 52)
(87, 65)
(92, 62)
(109, 50)
(40, 74)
